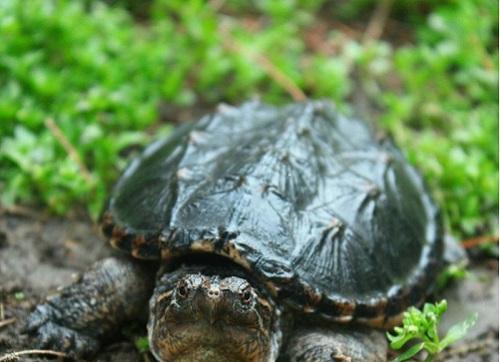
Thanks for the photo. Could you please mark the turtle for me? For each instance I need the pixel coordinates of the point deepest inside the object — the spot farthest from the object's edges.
(258, 233)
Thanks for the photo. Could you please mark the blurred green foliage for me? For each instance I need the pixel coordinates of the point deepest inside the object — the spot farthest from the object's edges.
(96, 74)
(100, 70)
(447, 110)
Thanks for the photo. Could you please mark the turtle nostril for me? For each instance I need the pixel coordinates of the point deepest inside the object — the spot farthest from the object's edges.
(213, 293)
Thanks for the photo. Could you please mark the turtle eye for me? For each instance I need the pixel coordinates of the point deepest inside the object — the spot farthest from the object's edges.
(246, 296)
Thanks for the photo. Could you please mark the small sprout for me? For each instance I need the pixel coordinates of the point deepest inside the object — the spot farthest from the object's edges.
(142, 344)
(421, 328)
(452, 272)
(19, 296)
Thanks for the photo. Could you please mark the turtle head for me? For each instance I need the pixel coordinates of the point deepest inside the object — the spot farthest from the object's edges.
(195, 316)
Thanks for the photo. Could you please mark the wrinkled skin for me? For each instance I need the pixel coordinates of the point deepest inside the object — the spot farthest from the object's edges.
(77, 319)
(342, 344)
(195, 314)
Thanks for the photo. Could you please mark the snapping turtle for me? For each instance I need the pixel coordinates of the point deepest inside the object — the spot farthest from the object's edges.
(287, 233)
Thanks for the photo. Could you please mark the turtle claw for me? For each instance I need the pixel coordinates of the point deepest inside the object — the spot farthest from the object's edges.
(63, 339)
(37, 318)
(42, 324)
(337, 345)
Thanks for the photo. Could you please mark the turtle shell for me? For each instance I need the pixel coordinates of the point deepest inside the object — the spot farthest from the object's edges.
(330, 217)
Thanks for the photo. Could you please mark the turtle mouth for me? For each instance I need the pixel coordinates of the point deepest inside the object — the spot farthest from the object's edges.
(205, 354)
(208, 342)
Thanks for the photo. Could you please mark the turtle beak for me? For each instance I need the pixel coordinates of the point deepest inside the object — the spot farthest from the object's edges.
(211, 315)
(208, 302)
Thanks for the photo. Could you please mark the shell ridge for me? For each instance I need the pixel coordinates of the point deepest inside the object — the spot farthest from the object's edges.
(264, 186)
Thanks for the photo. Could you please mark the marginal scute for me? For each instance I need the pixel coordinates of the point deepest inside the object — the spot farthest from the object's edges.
(167, 254)
(137, 244)
(346, 308)
(313, 296)
(107, 224)
(230, 250)
(344, 318)
(327, 214)
(205, 246)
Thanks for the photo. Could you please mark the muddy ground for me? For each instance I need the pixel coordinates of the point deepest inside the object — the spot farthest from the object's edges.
(39, 253)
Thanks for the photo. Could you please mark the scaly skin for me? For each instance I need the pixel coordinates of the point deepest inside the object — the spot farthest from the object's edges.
(75, 320)
(339, 344)
(212, 312)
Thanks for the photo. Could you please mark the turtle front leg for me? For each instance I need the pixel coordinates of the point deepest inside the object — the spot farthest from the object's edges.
(75, 320)
(339, 344)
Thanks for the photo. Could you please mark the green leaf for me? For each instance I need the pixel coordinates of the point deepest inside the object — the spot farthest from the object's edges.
(403, 335)
(412, 351)
(452, 272)
(398, 341)
(458, 331)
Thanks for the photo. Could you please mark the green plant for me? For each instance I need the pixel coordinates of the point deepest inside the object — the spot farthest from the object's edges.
(457, 271)
(446, 111)
(71, 100)
(421, 328)
(142, 344)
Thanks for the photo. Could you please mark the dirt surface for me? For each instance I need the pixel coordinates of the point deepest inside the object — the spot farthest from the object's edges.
(39, 253)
